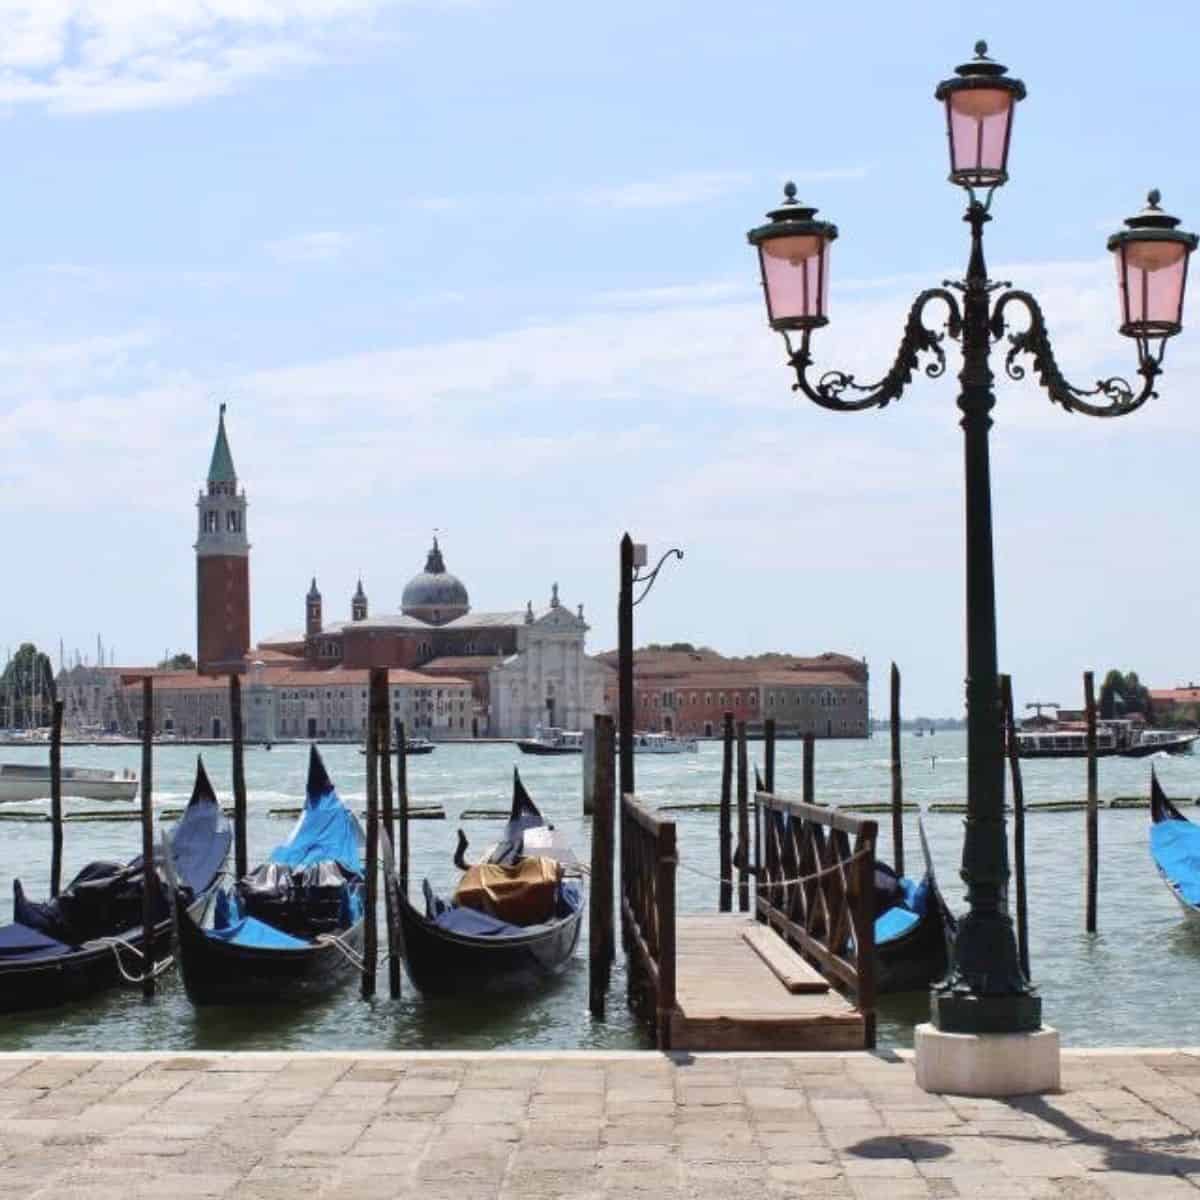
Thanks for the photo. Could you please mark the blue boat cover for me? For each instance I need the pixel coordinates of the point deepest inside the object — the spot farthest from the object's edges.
(1175, 847)
(326, 830)
(19, 941)
(250, 931)
(895, 923)
(202, 838)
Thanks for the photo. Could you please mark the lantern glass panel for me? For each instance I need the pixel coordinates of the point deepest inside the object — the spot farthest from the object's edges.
(796, 274)
(1151, 276)
(979, 120)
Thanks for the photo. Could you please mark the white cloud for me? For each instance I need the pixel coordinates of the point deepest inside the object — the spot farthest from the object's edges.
(320, 247)
(104, 55)
(671, 191)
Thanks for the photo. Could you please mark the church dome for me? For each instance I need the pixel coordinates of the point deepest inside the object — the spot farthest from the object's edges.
(435, 595)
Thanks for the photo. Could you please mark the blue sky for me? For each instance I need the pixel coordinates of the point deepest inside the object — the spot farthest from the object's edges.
(481, 265)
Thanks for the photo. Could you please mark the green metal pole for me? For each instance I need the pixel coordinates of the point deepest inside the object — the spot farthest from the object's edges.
(985, 991)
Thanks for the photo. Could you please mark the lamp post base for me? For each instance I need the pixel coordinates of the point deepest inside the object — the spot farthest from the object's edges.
(987, 1064)
(955, 1011)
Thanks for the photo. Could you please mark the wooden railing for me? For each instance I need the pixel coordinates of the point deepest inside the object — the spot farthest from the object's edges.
(648, 913)
(815, 885)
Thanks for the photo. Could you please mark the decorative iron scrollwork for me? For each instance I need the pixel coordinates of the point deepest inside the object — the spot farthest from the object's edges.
(918, 339)
(1034, 340)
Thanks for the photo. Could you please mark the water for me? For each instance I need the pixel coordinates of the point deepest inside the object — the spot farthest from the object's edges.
(1132, 983)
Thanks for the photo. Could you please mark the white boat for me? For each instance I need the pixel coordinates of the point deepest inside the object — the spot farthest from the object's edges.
(31, 781)
(552, 740)
(663, 743)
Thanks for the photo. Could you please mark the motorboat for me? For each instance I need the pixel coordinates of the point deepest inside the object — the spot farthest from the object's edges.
(552, 740)
(1113, 739)
(31, 781)
(663, 743)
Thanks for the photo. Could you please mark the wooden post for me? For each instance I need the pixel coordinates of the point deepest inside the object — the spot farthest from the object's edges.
(589, 771)
(769, 754)
(809, 778)
(149, 879)
(665, 894)
(402, 805)
(1014, 761)
(387, 816)
(239, 778)
(370, 932)
(1093, 825)
(897, 779)
(56, 813)
(743, 803)
(725, 830)
(756, 816)
(601, 951)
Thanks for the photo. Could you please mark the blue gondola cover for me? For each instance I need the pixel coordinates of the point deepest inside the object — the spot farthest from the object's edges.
(326, 831)
(19, 941)
(1175, 846)
(250, 931)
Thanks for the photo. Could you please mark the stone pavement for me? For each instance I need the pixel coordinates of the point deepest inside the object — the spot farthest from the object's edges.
(490, 1127)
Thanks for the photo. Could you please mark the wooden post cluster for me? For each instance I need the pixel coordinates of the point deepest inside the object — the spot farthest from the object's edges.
(388, 817)
(56, 810)
(725, 830)
(239, 777)
(601, 940)
(149, 880)
(376, 711)
(1018, 788)
(897, 778)
(743, 814)
(1093, 819)
(402, 804)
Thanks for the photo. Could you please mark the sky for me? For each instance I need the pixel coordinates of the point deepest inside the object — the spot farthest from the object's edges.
(480, 266)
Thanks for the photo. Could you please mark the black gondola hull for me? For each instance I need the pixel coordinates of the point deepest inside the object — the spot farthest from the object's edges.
(439, 961)
(916, 959)
(30, 984)
(216, 972)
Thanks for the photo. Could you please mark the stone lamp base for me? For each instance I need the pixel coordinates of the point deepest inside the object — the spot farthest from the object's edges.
(987, 1064)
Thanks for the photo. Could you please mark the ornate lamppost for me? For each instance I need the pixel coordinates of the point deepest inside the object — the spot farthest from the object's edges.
(985, 991)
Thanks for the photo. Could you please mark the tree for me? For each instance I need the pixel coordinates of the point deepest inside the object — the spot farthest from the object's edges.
(1122, 695)
(27, 689)
(178, 662)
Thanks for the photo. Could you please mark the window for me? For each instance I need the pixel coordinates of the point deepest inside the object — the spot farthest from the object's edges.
(708, 697)
(737, 699)
(210, 521)
(233, 521)
(753, 699)
(693, 700)
(770, 699)
(721, 699)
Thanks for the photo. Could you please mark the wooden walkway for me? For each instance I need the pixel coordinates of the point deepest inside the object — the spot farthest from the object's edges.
(727, 997)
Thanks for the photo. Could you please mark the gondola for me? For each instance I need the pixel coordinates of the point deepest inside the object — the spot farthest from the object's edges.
(292, 929)
(1175, 848)
(452, 947)
(914, 929)
(90, 936)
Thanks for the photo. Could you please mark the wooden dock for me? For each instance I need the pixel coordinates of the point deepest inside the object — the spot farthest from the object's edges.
(727, 996)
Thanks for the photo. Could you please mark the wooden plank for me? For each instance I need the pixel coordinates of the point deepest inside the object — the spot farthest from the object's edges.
(786, 965)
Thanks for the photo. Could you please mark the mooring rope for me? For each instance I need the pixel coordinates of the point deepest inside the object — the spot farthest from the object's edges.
(768, 882)
(156, 969)
(355, 959)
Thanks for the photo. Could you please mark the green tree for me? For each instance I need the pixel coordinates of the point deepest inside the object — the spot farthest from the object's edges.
(27, 689)
(178, 662)
(1122, 695)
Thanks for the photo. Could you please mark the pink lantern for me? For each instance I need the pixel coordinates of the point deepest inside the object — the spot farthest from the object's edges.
(1152, 258)
(979, 113)
(793, 256)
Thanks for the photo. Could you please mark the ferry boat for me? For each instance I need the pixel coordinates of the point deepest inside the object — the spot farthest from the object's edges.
(552, 740)
(663, 743)
(31, 781)
(1113, 739)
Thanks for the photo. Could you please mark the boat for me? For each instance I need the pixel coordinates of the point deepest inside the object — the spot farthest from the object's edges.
(914, 928)
(1160, 741)
(552, 740)
(1116, 738)
(455, 947)
(31, 781)
(90, 937)
(416, 745)
(663, 743)
(290, 930)
(1175, 849)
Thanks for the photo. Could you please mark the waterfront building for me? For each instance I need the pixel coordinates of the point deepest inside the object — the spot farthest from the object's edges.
(1176, 706)
(689, 691)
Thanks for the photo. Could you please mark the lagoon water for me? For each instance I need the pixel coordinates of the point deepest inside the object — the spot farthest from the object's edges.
(1132, 983)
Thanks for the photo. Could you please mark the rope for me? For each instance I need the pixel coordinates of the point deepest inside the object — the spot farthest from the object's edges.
(331, 939)
(767, 882)
(155, 970)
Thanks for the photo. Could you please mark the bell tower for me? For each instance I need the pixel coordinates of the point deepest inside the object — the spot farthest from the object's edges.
(222, 567)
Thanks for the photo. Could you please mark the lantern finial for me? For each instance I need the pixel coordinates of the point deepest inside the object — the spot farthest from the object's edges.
(1153, 198)
(789, 192)
(981, 49)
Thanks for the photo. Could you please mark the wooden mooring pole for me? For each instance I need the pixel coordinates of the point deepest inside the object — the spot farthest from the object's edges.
(1018, 788)
(601, 942)
(809, 792)
(149, 880)
(56, 810)
(387, 816)
(1093, 819)
(239, 778)
(769, 755)
(743, 813)
(402, 806)
(897, 778)
(370, 930)
(725, 830)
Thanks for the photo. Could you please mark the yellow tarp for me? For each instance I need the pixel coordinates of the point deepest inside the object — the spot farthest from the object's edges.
(522, 895)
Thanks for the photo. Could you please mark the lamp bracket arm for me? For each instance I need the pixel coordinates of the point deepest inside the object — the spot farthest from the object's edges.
(649, 579)
(918, 339)
(1034, 340)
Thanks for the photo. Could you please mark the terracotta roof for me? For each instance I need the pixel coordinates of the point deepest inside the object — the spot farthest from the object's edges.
(461, 662)
(359, 677)
(1187, 695)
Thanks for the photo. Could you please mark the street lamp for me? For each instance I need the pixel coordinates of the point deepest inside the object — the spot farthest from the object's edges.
(985, 990)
